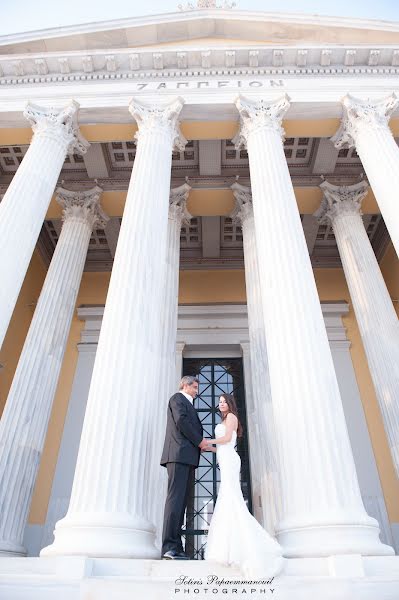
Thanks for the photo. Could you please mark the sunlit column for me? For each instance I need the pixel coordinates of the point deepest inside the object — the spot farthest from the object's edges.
(365, 125)
(24, 422)
(24, 205)
(322, 512)
(263, 443)
(375, 314)
(110, 509)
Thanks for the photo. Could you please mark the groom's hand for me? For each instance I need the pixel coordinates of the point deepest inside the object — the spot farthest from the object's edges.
(203, 444)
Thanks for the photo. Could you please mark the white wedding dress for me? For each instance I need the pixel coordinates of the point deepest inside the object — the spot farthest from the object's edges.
(235, 537)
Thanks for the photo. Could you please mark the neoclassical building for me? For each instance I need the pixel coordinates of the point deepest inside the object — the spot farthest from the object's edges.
(209, 192)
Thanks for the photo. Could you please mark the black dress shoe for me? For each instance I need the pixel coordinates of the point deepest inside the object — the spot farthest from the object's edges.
(173, 555)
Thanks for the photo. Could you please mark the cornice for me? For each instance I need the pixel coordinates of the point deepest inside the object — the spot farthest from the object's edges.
(183, 63)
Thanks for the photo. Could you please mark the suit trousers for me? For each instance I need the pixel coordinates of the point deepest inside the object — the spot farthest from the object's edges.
(180, 481)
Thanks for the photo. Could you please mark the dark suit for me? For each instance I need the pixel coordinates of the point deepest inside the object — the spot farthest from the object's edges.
(180, 456)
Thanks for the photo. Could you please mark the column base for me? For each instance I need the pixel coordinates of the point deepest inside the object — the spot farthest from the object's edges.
(326, 540)
(103, 536)
(8, 548)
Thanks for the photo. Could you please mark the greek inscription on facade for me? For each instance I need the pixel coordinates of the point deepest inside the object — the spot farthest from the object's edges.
(210, 84)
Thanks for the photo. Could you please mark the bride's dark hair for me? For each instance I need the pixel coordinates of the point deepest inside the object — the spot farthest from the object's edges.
(231, 403)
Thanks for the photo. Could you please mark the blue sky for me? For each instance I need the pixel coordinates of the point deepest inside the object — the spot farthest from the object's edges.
(26, 15)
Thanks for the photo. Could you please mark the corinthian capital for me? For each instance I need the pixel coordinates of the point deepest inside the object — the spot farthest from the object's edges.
(84, 206)
(340, 200)
(243, 209)
(159, 117)
(178, 204)
(358, 114)
(60, 124)
(259, 114)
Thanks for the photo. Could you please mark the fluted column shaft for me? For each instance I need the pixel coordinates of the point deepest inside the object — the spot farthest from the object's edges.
(110, 509)
(264, 444)
(25, 203)
(365, 125)
(322, 510)
(254, 439)
(178, 215)
(24, 422)
(375, 314)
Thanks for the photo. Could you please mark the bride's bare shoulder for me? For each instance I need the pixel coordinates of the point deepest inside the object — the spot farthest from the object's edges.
(232, 418)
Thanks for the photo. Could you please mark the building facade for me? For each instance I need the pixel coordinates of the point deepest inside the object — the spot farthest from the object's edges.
(210, 191)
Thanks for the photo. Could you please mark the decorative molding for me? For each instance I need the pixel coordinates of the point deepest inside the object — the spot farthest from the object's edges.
(134, 62)
(41, 66)
(178, 204)
(301, 58)
(259, 114)
(111, 64)
(230, 58)
(18, 68)
(350, 56)
(253, 58)
(87, 63)
(64, 66)
(202, 4)
(278, 58)
(340, 200)
(172, 63)
(157, 58)
(206, 62)
(243, 209)
(160, 117)
(84, 206)
(363, 113)
(58, 123)
(374, 57)
(325, 58)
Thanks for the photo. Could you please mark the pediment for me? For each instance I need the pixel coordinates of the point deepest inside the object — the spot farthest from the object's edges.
(204, 28)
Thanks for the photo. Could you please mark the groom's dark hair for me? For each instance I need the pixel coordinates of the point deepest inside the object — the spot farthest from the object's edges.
(188, 380)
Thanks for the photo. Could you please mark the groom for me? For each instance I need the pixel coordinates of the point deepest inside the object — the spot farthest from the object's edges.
(181, 453)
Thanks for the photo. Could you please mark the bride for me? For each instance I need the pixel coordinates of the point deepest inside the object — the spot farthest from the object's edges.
(235, 537)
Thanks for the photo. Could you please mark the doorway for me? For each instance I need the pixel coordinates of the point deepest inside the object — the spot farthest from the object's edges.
(216, 376)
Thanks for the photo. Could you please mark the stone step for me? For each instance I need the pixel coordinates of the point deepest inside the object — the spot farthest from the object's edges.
(80, 578)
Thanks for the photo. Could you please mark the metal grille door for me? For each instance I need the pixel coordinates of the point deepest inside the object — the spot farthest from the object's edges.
(216, 376)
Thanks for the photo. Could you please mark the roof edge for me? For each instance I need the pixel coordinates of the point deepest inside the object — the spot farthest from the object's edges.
(192, 15)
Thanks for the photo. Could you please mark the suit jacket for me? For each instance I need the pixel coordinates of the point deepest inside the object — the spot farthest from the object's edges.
(183, 432)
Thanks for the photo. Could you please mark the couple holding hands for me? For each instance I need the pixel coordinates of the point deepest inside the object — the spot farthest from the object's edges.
(234, 536)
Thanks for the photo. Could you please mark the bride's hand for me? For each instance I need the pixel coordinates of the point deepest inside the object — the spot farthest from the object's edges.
(205, 446)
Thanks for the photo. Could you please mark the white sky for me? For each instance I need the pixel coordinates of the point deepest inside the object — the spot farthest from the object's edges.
(27, 15)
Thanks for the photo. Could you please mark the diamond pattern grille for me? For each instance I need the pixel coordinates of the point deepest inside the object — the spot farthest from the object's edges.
(215, 377)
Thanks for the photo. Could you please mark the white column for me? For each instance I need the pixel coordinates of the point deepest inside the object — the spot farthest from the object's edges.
(322, 512)
(365, 125)
(25, 203)
(178, 215)
(24, 422)
(375, 314)
(264, 431)
(253, 437)
(110, 509)
(179, 362)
